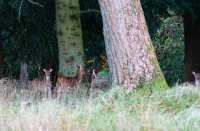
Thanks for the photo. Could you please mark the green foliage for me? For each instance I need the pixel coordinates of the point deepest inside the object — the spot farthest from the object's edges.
(103, 73)
(178, 102)
(169, 46)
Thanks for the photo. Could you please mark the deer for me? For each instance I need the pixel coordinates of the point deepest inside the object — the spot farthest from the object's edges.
(48, 82)
(197, 78)
(64, 82)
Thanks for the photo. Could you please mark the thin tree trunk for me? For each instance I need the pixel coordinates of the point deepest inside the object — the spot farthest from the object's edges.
(23, 82)
(69, 36)
(1, 60)
(131, 57)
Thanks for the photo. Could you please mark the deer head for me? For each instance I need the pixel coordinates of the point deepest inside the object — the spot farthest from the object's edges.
(197, 78)
(47, 74)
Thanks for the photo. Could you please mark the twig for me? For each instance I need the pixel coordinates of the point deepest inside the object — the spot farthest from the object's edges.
(35, 3)
(21, 4)
(20, 9)
(90, 11)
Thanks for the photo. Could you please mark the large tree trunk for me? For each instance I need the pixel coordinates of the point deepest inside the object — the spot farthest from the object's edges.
(192, 45)
(131, 57)
(69, 36)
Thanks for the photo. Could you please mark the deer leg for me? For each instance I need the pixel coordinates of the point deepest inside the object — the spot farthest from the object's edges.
(59, 92)
(45, 92)
(78, 86)
(49, 92)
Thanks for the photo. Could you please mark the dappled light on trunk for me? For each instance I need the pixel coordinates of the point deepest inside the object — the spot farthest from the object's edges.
(131, 56)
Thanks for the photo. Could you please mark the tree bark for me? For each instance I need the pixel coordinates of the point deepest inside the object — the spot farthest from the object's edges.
(131, 57)
(69, 36)
(192, 45)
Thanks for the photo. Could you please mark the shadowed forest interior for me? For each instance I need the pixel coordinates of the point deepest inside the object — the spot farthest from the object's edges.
(33, 38)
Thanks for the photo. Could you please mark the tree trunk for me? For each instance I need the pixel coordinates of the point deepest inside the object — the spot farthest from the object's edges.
(192, 45)
(1, 60)
(23, 82)
(69, 36)
(131, 57)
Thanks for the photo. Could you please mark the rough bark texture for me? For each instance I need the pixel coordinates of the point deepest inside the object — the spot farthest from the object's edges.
(131, 56)
(69, 36)
(192, 45)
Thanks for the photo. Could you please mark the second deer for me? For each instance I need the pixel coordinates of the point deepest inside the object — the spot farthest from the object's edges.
(48, 83)
(67, 83)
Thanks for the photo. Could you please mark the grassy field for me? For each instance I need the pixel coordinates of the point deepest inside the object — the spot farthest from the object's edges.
(176, 109)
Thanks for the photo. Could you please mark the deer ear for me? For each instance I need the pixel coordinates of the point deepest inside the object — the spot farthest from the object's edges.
(77, 65)
(44, 70)
(51, 70)
(193, 72)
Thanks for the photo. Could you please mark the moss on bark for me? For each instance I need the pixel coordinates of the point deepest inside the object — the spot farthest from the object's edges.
(69, 36)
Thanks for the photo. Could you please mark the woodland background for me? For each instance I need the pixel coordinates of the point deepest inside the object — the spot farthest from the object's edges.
(33, 39)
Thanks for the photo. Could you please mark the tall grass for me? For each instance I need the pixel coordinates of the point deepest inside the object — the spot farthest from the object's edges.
(116, 110)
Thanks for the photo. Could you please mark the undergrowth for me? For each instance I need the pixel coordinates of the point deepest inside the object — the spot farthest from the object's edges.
(177, 108)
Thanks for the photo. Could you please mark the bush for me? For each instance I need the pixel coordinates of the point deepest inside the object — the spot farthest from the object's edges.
(169, 45)
(115, 110)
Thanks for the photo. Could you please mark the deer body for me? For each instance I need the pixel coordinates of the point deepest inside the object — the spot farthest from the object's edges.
(68, 83)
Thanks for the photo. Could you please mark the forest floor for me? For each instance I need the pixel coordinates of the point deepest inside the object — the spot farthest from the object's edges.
(177, 108)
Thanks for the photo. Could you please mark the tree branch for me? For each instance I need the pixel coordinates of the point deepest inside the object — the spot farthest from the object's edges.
(90, 11)
(21, 4)
(20, 9)
(35, 3)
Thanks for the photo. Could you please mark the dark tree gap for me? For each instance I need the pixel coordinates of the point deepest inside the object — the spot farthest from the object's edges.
(92, 27)
(1, 59)
(40, 44)
(192, 45)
